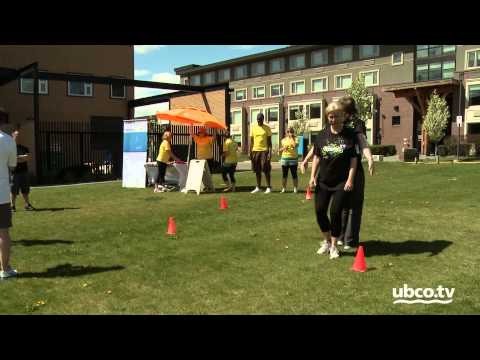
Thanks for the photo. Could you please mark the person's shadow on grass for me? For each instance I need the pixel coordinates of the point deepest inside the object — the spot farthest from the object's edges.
(69, 270)
(56, 209)
(41, 242)
(382, 248)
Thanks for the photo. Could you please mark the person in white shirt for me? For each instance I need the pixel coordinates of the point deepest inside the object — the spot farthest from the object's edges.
(8, 161)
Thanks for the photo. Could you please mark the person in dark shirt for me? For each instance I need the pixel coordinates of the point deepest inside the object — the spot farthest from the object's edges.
(20, 181)
(352, 216)
(335, 159)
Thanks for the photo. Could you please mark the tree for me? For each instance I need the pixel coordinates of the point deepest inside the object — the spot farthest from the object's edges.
(363, 98)
(435, 120)
(301, 122)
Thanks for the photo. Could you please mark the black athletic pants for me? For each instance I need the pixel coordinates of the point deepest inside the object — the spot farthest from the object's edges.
(230, 170)
(293, 170)
(162, 170)
(352, 214)
(322, 200)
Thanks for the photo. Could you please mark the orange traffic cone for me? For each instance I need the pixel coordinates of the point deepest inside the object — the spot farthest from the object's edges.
(359, 264)
(172, 228)
(223, 203)
(308, 196)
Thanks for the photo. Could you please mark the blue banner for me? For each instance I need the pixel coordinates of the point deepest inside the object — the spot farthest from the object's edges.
(135, 142)
(300, 145)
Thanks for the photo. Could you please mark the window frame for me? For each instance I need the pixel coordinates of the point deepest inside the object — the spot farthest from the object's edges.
(306, 103)
(318, 78)
(477, 59)
(371, 71)
(194, 76)
(235, 94)
(282, 59)
(255, 63)
(204, 75)
(337, 76)
(399, 120)
(235, 72)
(283, 89)
(23, 91)
(316, 51)
(224, 71)
(118, 97)
(297, 81)
(258, 87)
(401, 58)
(233, 110)
(467, 94)
(69, 93)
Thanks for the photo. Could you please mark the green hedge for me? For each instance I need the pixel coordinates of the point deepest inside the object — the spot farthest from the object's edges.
(409, 154)
(385, 150)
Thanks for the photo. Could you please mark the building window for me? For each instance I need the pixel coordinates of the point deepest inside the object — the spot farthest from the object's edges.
(448, 69)
(370, 77)
(80, 88)
(241, 72)
(297, 61)
(258, 68)
(319, 57)
(435, 71)
(473, 59)
(422, 72)
(395, 120)
(224, 75)
(343, 53)
(319, 85)
(448, 49)
(297, 87)
(254, 113)
(240, 94)
(209, 78)
(258, 92)
(425, 51)
(474, 95)
(272, 114)
(276, 90)
(315, 110)
(277, 65)
(118, 91)
(343, 81)
(369, 51)
(473, 129)
(195, 80)
(397, 58)
(26, 86)
(236, 117)
(295, 112)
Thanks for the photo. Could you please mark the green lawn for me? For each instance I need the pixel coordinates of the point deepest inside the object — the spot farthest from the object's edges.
(102, 249)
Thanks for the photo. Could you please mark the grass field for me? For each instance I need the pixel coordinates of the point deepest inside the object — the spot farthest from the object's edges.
(101, 249)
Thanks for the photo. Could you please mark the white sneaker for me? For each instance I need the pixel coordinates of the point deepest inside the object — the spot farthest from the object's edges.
(334, 253)
(8, 274)
(283, 190)
(294, 190)
(257, 189)
(324, 248)
(339, 242)
(268, 191)
(346, 247)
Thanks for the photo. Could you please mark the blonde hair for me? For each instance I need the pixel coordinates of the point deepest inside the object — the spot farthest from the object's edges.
(334, 106)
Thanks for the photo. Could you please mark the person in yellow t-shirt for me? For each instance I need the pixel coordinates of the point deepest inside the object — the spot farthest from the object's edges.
(261, 152)
(289, 159)
(230, 161)
(163, 158)
(204, 144)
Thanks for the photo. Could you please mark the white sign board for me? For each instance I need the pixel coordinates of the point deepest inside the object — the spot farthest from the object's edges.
(198, 177)
(134, 153)
(459, 120)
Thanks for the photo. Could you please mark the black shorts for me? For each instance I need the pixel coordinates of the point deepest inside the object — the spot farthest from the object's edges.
(260, 162)
(20, 183)
(5, 216)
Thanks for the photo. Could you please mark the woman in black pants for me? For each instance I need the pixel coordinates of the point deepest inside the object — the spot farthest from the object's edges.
(352, 215)
(336, 160)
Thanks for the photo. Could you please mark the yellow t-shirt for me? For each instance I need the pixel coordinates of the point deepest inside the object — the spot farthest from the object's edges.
(290, 146)
(165, 152)
(260, 135)
(204, 147)
(230, 147)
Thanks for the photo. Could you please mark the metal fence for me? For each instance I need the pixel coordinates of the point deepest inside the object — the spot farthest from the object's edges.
(75, 152)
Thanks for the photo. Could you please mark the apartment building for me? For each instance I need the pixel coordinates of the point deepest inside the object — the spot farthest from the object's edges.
(283, 82)
(102, 106)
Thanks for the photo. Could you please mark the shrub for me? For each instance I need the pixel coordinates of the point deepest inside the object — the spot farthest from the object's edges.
(385, 150)
(409, 154)
(442, 150)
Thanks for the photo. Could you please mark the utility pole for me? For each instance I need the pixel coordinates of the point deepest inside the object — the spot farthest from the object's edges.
(460, 77)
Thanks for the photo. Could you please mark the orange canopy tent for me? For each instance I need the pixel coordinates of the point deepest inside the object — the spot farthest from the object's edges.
(191, 116)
